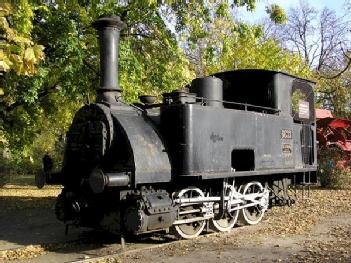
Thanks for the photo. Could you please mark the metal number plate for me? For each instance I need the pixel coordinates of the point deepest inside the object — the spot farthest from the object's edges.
(286, 134)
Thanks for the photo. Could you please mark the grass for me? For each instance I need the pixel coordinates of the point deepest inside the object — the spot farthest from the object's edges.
(25, 179)
(17, 179)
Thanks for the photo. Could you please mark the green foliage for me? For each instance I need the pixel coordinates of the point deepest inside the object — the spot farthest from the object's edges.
(215, 42)
(250, 4)
(332, 171)
(37, 110)
(295, 99)
(276, 14)
(250, 50)
(334, 94)
(18, 52)
(163, 48)
(151, 61)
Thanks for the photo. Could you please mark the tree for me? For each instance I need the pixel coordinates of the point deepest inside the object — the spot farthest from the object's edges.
(18, 51)
(323, 39)
(276, 14)
(334, 94)
(45, 100)
(37, 108)
(219, 43)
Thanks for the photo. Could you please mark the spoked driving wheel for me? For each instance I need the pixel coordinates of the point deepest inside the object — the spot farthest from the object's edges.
(253, 214)
(229, 219)
(190, 223)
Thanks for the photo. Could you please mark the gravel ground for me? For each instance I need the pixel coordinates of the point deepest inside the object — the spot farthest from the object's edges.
(315, 229)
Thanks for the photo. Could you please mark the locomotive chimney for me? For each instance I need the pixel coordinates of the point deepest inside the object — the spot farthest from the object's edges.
(108, 28)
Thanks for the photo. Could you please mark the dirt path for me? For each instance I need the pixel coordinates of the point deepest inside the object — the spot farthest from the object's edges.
(326, 242)
(316, 229)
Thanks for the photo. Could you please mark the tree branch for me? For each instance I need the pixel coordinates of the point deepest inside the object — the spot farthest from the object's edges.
(340, 72)
(17, 104)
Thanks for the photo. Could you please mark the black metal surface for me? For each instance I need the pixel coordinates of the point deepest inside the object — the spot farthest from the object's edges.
(116, 154)
(89, 141)
(147, 99)
(117, 179)
(279, 192)
(150, 159)
(179, 97)
(48, 163)
(307, 150)
(210, 89)
(221, 211)
(204, 140)
(246, 174)
(109, 28)
(250, 87)
(98, 180)
(149, 211)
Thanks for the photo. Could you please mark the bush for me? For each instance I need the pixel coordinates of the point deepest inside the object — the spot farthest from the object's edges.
(28, 160)
(3, 169)
(3, 179)
(13, 171)
(334, 168)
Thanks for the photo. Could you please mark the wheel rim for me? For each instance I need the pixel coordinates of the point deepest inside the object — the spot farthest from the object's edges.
(229, 219)
(227, 223)
(254, 214)
(193, 229)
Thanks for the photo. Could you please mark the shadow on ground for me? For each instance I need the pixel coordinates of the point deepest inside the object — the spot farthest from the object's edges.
(30, 220)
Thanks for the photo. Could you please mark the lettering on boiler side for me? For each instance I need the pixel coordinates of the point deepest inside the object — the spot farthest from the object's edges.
(216, 138)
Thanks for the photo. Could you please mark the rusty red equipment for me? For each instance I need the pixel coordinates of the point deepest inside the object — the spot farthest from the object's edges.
(334, 133)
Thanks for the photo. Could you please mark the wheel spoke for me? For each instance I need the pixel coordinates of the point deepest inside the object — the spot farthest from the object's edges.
(253, 214)
(192, 229)
(229, 219)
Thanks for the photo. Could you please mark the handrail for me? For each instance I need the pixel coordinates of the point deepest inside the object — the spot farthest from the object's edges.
(246, 105)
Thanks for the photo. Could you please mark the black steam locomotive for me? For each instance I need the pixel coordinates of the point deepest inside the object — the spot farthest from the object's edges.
(228, 146)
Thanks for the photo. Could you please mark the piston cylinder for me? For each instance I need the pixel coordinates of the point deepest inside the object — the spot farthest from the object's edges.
(98, 180)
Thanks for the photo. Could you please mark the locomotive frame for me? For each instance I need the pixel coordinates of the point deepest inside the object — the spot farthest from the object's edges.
(227, 147)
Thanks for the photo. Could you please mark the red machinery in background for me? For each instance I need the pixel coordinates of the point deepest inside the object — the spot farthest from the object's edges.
(334, 134)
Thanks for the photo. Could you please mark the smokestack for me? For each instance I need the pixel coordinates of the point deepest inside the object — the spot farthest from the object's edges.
(108, 28)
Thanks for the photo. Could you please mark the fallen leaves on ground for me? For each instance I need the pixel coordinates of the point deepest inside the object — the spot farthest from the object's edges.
(302, 216)
(279, 221)
(29, 191)
(31, 251)
(22, 253)
(23, 197)
(336, 249)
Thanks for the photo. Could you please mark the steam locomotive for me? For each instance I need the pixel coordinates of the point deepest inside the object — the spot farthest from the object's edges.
(228, 146)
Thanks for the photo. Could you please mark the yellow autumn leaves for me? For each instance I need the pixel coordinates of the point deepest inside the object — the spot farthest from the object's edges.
(17, 50)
